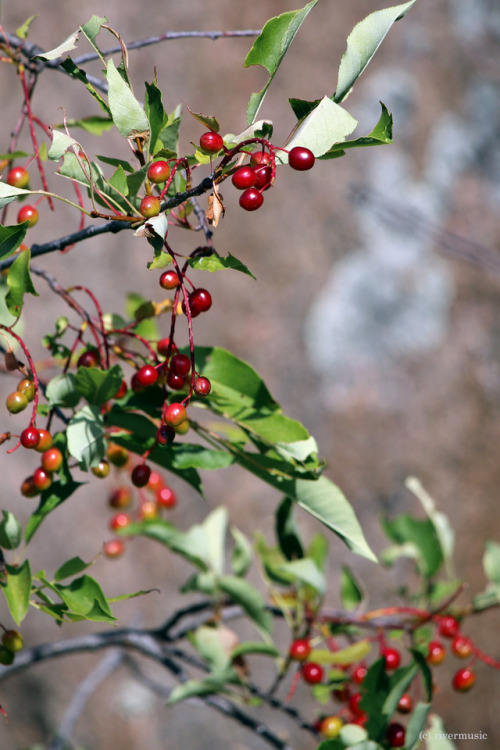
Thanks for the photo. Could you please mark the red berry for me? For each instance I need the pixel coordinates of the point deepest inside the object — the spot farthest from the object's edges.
(16, 402)
(174, 414)
(448, 626)
(166, 497)
(52, 459)
(45, 442)
(155, 481)
(180, 364)
(359, 674)
(175, 382)
(163, 347)
(18, 177)
(150, 206)
(354, 704)
(146, 375)
(299, 649)
(461, 646)
(392, 658)
(211, 142)
(264, 175)
(199, 301)
(342, 694)
(113, 548)
(202, 386)
(165, 435)
(121, 497)
(260, 159)
(435, 652)
(312, 673)
(301, 158)
(464, 679)
(243, 178)
(30, 437)
(122, 390)
(251, 199)
(42, 479)
(28, 488)
(396, 735)
(405, 704)
(119, 521)
(29, 214)
(140, 475)
(159, 171)
(169, 280)
(89, 358)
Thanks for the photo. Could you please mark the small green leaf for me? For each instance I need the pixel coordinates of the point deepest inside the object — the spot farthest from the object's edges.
(327, 124)
(92, 124)
(348, 655)
(119, 181)
(215, 526)
(491, 561)
(208, 121)
(71, 568)
(83, 596)
(19, 283)
(54, 54)
(209, 642)
(351, 594)
(62, 391)
(86, 439)
(265, 649)
(247, 596)
(421, 537)
(193, 544)
(215, 262)
(400, 682)
(241, 555)
(60, 144)
(155, 112)
(379, 136)
(17, 590)
(49, 501)
(22, 31)
(11, 237)
(416, 724)
(215, 683)
(306, 572)
(287, 532)
(10, 531)
(98, 386)
(127, 113)
(91, 29)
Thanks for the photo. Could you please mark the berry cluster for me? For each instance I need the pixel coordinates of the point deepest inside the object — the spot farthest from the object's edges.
(12, 643)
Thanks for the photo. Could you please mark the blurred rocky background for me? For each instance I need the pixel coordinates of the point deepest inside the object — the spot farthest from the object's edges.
(374, 320)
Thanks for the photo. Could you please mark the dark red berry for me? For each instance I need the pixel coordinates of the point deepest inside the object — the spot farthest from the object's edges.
(180, 364)
(169, 280)
(299, 649)
(251, 199)
(199, 301)
(243, 178)
(448, 626)
(30, 437)
(150, 206)
(396, 735)
(175, 382)
(260, 159)
(301, 158)
(146, 375)
(392, 658)
(464, 679)
(18, 177)
(312, 673)
(29, 214)
(28, 488)
(165, 434)
(175, 414)
(163, 346)
(90, 358)
(159, 171)
(140, 475)
(354, 701)
(264, 175)
(202, 386)
(211, 142)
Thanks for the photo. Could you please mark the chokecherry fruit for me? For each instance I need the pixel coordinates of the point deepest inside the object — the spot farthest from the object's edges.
(29, 214)
(200, 300)
(175, 382)
(42, 479)
(165, 434)
(146, 375)
(150, 206)
(28, 488)
(89, 358)
(117, 455)
(396, 735)
(122, 390)
(300, 649)
(30, 437)
(464, 679)
(301, 158)
(16, 402)
(182, 428)
(448, 626)
(312, 673)
(113, 548)
(148, 510)
(330, 727)
(436, 653)
(155, 481)
(405, 704)
(119, 521)
(180, 364)
(27, 387)
(244, 177)
(260, 159)
(264, 175)
(18, 177)
(159, 171)
(163, 347)
(101, 470)
(211, 142)
(45, 441)
(461, 646)
(140, 475)
(121, 497)
(392, 658)
(354, 704)
(169, 280)
(251, 199)
(166, 497)
(174, 414)
(359, 674)
(13, 641)
(202, 386)
(52, 459)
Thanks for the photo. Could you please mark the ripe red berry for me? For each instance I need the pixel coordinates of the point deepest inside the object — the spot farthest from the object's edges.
(165, 434)
(211, 142)
(30, 437)
(354, 704)
(243, 178)
(159, 171)
(119, 521)
(448, 626)
(264, 175)
(122, 390)
(166, 497)
(121, 497)
(169, 280)
(18, 177)
(175, 414)
(89, 358)
(155, 481)
(200, 300)
(301, 158)
(312, 673)
(52, 459)
(146, 375)
(113, 548)
(180, 364)
(163, 346)
(405, 704)
(461, 646)
(251, 199)
(392, 658)
(435, 652)
(42, 479)
(101, 470)
(299, 649)
(464, 679)
(45, 441)
(28, 488)
(396, 735)
(29, 214)
(260, 159)
(175, 382)
(359, 674)
(150, 206)
(202, 386)
(140, 475)
(16, 402)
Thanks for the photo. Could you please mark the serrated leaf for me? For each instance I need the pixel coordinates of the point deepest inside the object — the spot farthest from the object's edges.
(84, 597)
(247, 596)
(215, 262)
(351, 594)
(127, 113)
(62, 391)
(10, 531)
(241, 555)
(11, 238)
(270, 47)
(363, 42)
(57, 493)
(98, 386)
(86, 438)
(19, 283)
(17, 589)
(54, 54)
(209, 121)
(71, 568)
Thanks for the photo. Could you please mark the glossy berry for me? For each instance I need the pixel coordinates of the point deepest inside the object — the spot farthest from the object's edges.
(392, 658)
(166, 497)
(169, 280)
(159, 171)
(117, 455)
(16, 402)
(354, 701)
(89, 358)
(28, 488)
(18, 177)
(301, 158)
(436, 653)
(264, 175)
(461, 646)
(165, 435)
(12, 640)
(29, 214)
(146, 375)
(202, 386)
(251, 199)
(148, 511)
(140, 475)
(243, 178)
(200, 300)
(27, 388)
(448, 626)
(174, 414)
(330, 727)
(396, 735)
(180, 364)
(155, 481)
(113, 548)
(150, 206)
(119, 521)
(121, 497)
(122, 390)
(211, 142)
(30, 437)
(52, 459)
(312, 673)
(359, 674)
(299, 649)
(260, 159)
(45, 441)
(175, 382)
(101, 470)
(464, 679)
(405, 704)
(42, 479)
(163, 346)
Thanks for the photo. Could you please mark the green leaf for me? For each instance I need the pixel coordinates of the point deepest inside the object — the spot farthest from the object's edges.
(86, 439)
(22, 31)
(400, 682)
(49, 501)
(98, 386)
(420, 535)
(426, 673)
(440, 521)
(84, 597)
(71, 568)
(491, 561)
(127, 113)
(91, 29)
(119, 181)
(11, 237)
(363, 42)
(287, 532)
(208, 641)
(92, 124)
(215, 683)
(241, 555)
(416, 724)
(351, 594)
(379, 136)
(193, 544)
(374, 690)
(249, 647)
(169, 136)
(215, 262)
(60, 144)
(19, 283)
(327, 124)
(75, 72)
(17, 589)
(437, 736)
(243, 593)
(208, 121)
(348, 655)
(270, 47)
(8, 193)
(54, 54)
(10, 531)
(62, 391)
(306, 572)
(155, 113)
(215, 526)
